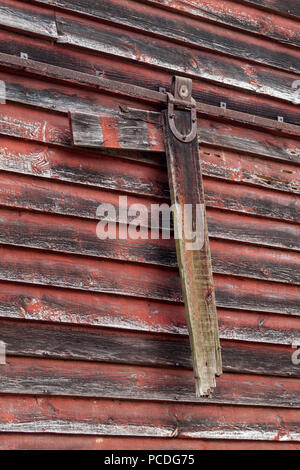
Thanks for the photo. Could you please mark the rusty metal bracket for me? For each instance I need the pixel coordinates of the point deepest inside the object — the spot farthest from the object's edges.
(181, 97)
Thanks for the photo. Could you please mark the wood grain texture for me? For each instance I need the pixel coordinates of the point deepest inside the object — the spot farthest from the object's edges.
(82, 201)
(75, 67)
(289, 7)
(152, 282)
(134, 177)
(186, 187)
(62, 99)
(249, 200)
(237, 15)
(134, 129)
(26, 157)
(68, 306)
(256, 79)
(69, 235)
(66, 415)
(97, 341)
(86, 130)
(162, 23)
(141, 130)
(27, 376)
(28, 18)
(81, 343)
(176, 59)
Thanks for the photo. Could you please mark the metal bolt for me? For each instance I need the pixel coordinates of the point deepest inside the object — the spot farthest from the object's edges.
(223, 105)
(23, 55)
(280, 118)
(184, 91)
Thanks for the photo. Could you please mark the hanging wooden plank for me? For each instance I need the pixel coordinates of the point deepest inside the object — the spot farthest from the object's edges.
(194, 260)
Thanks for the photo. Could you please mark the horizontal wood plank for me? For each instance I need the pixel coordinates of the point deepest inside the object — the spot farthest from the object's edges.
(69, 235)
(27, 18)
(67, 343)
(97, 344)
(121, 418)
(176, 59)
(77, 68)
(83, 379)
(67, 306)
(18, 441)
(119, 173)
(113, 42)
(59, 165)
(162, 23)
(288, 7)
(133, 129)
(153, 282)
(236, 15)
(141, 130)
(83, 201)
(44, 441)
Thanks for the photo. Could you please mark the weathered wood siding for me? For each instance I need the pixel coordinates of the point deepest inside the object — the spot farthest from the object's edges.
(97, 348)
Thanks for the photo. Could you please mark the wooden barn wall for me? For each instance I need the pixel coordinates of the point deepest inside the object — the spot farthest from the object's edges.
(97, 348)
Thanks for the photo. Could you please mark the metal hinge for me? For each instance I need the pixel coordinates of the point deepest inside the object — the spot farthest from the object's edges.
(181, 97)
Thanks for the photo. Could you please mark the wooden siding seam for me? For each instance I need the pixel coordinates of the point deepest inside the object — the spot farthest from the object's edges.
(256, 80)
(111, 14)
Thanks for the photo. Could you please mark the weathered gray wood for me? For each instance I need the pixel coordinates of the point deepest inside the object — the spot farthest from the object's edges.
(41, 340)
(70, 235)
(186, 187)
(86, 129)
(290, 7)
(68, 306)
(49, 304)
(103, 417)
(50, 196)
(80, 72)
(151, 282)
(265, 26)
(236, 16)
(269, 146)
(119, 381)
(29, 19)
(191, 33)
(196, 63)
(113, 173)
(176, 59)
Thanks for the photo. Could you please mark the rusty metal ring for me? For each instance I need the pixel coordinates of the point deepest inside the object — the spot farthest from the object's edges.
(171, 117)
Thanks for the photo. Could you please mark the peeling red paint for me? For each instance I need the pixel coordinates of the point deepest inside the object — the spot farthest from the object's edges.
(96, 333)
